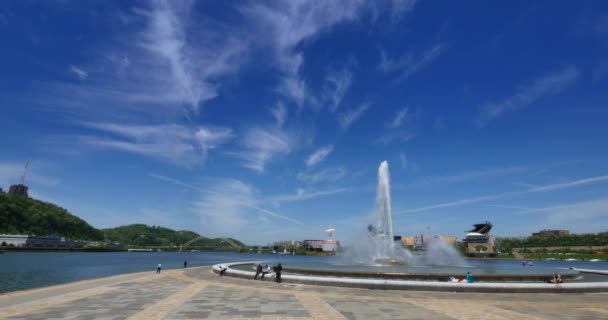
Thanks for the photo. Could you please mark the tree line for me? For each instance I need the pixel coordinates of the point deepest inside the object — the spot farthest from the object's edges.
(506, 245)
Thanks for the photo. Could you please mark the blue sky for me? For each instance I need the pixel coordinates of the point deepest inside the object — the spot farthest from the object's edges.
(267, 120)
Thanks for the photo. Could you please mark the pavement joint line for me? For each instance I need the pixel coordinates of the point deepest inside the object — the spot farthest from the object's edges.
(469, 310)
(247, 318)
(317, 308)
(49, 302)
(185, 277)
(165, 306)
(598, 310)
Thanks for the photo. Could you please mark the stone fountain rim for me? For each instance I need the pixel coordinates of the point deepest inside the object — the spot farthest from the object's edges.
(494, 287)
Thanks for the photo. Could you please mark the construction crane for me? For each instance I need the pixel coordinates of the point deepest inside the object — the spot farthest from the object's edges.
(24, 173)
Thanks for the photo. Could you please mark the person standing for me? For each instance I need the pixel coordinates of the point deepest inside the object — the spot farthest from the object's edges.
(266, 270)
(258, 270)
(158, 268)
(185, 264)
(278, 272)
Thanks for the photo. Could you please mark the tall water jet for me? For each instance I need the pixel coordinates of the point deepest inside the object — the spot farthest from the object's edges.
(378, 246)
(384, 225)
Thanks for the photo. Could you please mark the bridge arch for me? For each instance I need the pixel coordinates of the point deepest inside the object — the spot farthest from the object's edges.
(229, 241)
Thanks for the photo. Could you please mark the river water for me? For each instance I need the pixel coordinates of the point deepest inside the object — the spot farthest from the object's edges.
(27, 270)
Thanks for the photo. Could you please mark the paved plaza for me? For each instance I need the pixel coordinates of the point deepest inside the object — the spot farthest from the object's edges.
(197, 293)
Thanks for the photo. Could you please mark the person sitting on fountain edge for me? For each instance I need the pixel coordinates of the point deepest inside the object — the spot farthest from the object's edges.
(470, 278)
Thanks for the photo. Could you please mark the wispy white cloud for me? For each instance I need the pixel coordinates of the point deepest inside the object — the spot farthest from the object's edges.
(403, 159)
(286, 24)
(302, 194)
(319, 155)
(347, 118)
(323, 176)
(469, 175)
(280, 114)
(570, 184)
(411, 62)
(157, 64)
(211, 137)
(399, 118)
(396, 130)
(575, 213)
(189, 66)
(398, 136)
(174, 181)
(80, 73)
(401, 7)
(339, 82)
(526, 95)
(179, 144)
(224, 209)
(261, 145)
(229, 207)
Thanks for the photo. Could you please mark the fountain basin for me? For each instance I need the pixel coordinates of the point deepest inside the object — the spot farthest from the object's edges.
(241, 270)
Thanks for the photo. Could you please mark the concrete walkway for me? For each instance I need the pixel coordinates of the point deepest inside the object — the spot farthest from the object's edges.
(198, 293)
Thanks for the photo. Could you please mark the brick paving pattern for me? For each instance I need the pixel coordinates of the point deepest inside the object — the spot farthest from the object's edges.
(197, 293)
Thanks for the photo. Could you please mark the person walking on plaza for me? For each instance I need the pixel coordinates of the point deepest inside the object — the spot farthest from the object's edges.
(278, 270)
(258, 270)
(158, 268)
(185, 264)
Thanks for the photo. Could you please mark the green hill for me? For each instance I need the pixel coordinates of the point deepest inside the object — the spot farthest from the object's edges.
(140, 235)
(20, 215)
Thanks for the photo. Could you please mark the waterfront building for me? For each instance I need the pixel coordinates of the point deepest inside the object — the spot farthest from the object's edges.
(479, 241)
(40, 242)
(322, 245)
(420, 242)
(329, 245)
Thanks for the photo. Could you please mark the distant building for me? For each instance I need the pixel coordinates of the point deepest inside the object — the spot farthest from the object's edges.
(408, 241)
(287, 243)
(479, 241)
(19, 190)
(310, 245)
(321, 245)
(549, 232)
(420, 242)
(40, 242)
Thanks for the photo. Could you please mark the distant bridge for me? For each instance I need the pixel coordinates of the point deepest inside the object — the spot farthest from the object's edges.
(229, 241)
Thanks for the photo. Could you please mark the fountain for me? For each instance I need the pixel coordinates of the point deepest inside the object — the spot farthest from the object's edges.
(377, 261)
(378, 246)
